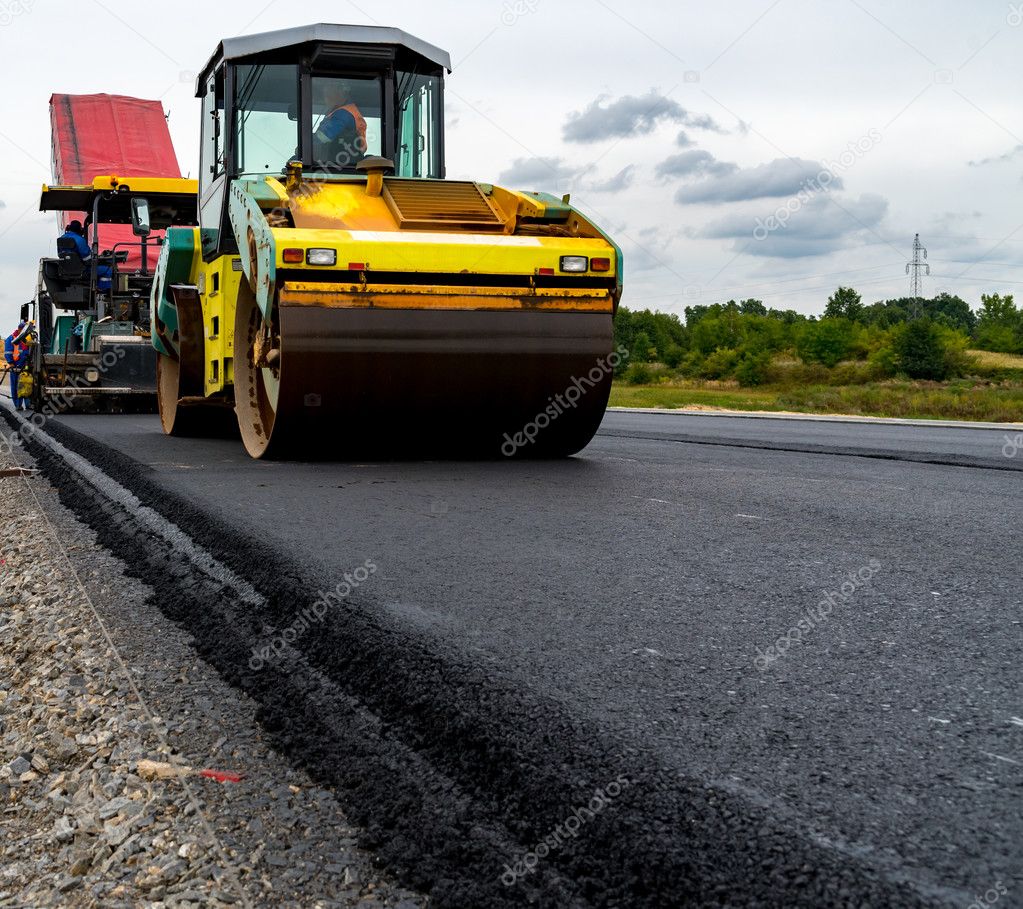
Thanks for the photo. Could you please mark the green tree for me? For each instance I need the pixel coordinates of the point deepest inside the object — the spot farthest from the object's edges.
(844, 303)
(945, 308)
(642, 348)
(752, 308)
(695, 313)
(827, 342)
(786, 316)
(996, 308)
(715, 331)
(922, 350)
(952, 311)
(1000, 324)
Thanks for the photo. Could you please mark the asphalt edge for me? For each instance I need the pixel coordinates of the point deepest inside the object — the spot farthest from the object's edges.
(820, 418)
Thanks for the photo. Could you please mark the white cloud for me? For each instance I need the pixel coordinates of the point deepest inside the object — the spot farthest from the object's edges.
(692, 163)
(535, 173)
(999, 159)
(778, 178)
(620, 182)
(630, 116)
(822, 225)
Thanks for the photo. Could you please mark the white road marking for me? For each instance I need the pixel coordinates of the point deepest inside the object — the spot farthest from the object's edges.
(658, 501)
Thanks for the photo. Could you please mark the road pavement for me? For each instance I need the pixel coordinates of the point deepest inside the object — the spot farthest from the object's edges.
(795, 642)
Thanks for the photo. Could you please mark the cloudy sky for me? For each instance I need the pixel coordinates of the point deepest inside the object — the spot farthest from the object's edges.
(766, 148)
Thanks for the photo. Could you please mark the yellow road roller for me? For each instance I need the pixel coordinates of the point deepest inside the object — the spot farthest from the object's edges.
(343, 298)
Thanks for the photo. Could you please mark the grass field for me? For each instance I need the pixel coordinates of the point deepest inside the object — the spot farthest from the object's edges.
(961, 400)
(991, 360)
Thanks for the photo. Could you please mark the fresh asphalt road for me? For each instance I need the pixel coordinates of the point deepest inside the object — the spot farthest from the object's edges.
(638, 582)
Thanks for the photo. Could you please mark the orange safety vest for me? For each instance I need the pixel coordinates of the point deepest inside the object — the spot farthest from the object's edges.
(360, 121)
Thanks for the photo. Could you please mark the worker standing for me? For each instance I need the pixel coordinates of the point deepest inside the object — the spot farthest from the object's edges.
(16, 352)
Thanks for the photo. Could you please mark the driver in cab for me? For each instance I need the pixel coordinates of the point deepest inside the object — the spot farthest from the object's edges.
(341, 135)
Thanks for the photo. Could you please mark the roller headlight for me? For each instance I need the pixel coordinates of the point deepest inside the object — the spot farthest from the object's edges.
(321, 257)
(575, 264)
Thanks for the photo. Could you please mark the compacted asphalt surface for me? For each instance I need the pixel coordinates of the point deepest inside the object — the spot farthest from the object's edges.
(796, 642)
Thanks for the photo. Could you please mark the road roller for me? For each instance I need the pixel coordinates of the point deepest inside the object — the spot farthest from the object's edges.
(341, 297)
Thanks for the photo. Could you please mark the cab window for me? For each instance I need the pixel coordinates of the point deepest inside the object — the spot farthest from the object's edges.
(266, 118)
(347, 120)
(418, 126)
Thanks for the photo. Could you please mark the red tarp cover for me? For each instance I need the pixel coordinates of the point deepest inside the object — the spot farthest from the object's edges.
(96, 135)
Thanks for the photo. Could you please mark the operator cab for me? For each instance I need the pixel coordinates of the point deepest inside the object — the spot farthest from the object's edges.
(148, 205)
(323, 95)
(108, 294)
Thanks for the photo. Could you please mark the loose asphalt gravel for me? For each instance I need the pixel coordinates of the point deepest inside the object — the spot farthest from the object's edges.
(136, 777)
(662, 619)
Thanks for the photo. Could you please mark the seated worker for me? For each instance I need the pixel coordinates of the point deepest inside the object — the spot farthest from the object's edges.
(16, 356)
(76, 234)
(341, 136)
(78, 336)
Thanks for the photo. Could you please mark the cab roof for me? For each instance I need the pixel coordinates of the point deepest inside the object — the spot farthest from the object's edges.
(248, 45)
(172, 201)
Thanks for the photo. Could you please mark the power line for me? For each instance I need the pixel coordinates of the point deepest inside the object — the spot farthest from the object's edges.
(757, 286)
(985, 261)
(977, 280)
(781, 293)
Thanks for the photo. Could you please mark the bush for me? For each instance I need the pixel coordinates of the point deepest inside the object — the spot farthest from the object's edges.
(720, 364)
(999, 338)
(752, 369)
(828, 341)
(856, 373)
(885, 361)
(639, 374)
(673, 356)
(925, 350)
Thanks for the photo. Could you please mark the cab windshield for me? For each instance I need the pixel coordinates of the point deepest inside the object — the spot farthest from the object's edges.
(346, 118)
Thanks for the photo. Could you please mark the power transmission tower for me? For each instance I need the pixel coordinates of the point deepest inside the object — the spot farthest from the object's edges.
(917, 269)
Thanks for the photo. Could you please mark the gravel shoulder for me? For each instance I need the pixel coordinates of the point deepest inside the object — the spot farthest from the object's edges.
(107, 723)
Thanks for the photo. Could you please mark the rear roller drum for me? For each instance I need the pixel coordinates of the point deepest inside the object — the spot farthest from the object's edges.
(257, 376)
(182, 411)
